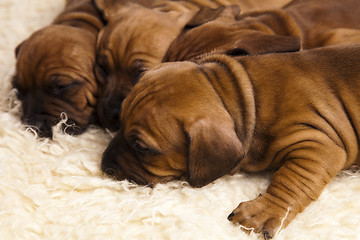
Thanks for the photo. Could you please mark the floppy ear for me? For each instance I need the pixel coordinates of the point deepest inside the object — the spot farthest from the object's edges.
(206, 14)
(259, 43)
(214, 150)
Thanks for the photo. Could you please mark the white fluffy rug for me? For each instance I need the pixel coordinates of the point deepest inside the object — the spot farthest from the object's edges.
(54, 189)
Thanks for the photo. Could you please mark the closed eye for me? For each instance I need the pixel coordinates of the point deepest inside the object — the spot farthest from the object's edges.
(60, 85)
(140, 146)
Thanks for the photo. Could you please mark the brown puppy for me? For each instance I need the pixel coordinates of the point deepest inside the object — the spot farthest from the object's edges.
(54, 70)
(302, 24)
(136, 39)
(295, 113)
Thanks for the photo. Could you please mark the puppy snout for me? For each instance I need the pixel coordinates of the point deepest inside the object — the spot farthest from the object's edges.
(109, 114)
(39, 125)
(108, 163)
(108, 167)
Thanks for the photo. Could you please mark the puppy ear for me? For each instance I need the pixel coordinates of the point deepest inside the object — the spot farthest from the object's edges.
(17, 49)
(214, 150)
(259, 43)
(206, 14)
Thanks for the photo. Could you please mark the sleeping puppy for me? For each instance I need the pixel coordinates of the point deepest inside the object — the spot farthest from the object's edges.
(54, 71)
(302, 24)
(297, 114)
(136, 39)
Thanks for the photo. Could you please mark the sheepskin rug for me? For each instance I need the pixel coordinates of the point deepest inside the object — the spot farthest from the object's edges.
(54, 189)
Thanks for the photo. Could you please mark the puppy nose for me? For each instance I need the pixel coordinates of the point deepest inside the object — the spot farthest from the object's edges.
(40, 126)
(108, 166)
(107, 169)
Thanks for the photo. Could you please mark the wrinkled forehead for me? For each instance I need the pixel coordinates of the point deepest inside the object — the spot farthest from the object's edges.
(135, 25)
(56, 40)
(159, 89)
(111, 32)
(46, 53)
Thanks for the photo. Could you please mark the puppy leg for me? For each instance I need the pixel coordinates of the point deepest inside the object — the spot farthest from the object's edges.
(308, 167)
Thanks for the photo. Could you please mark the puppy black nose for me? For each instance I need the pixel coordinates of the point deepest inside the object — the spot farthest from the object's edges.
(108, 170)
(108, 164)
(39, 126)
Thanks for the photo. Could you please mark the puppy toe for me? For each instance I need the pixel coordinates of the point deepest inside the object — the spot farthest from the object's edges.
(267, 235)
(258, 215)
(270, 227)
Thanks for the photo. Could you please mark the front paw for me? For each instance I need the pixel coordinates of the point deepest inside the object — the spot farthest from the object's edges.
(265, 215)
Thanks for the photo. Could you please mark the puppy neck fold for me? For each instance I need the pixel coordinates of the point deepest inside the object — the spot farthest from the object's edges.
(233, 85)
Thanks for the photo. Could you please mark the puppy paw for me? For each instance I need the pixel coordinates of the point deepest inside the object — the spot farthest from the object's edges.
(265, 215)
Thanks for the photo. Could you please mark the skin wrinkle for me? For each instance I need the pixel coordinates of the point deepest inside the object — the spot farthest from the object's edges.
(309, 125)
(141, 98)
(345, 109)
(301, 167)
(234, 86)
(280, 151)
(295, 195)
(289, 152)
(278, 203)
(289, 192)
(332, 127)
(245, 102)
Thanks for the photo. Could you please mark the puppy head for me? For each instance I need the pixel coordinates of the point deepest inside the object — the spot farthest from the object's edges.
(54, 75)
(219, 31)
(134, 40)
(173, 124)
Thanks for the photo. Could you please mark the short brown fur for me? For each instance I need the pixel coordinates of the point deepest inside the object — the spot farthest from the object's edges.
(54, 70)
(136, 39)
(301, 24)
(297, 114)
